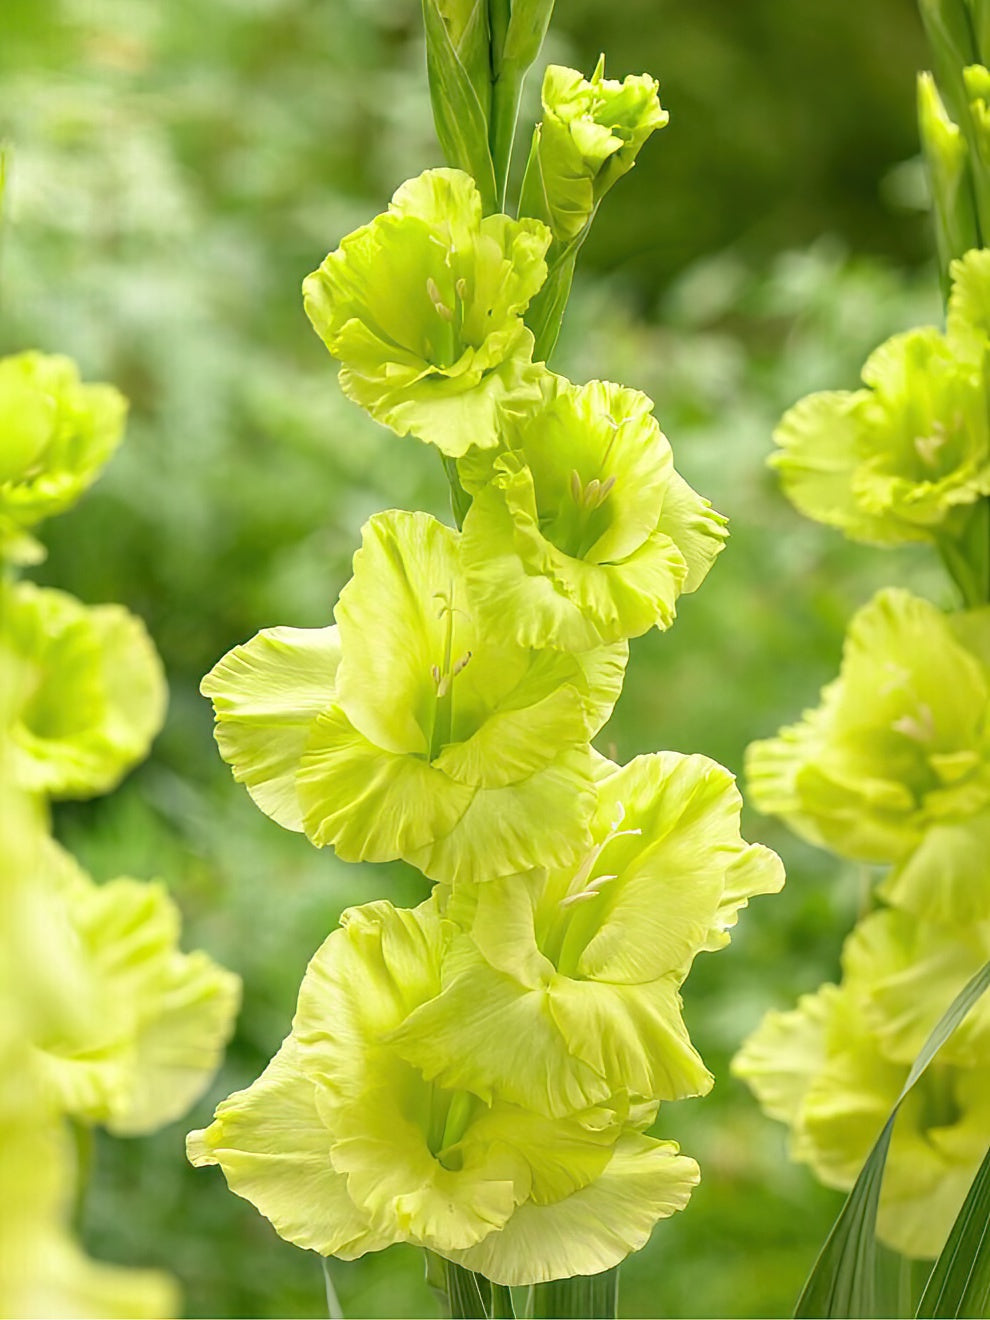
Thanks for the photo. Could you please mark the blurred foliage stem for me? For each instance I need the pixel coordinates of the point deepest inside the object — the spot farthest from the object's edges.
(954, 127)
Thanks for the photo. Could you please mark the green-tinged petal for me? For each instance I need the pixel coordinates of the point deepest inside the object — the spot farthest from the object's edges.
(944, 879)
(780, 1058)
(407, 1146)
(906, 971)
(670, 829)
(267, 695)
(487, 1033)
(895, 750)
(596, 1227)
(819, 444)
(274, 1150)
(393, 617)
(967, 317)
(698, 531)
(372, 805)
(91, 691)
(576, 535)
(505, 830)
(56, 434)
(633, 1035)
(163, 1016)
(423, 308)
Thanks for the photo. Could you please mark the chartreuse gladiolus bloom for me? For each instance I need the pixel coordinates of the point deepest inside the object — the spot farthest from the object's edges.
(89, 691)
(55, 436)
(591, 134)
(159, 1018)
(44, 985)
(833, 1068)
(907, 458)
(346, 1148)
(894, 766)
(410, 731)
(583, 533)
(423, 308)
(562, 986)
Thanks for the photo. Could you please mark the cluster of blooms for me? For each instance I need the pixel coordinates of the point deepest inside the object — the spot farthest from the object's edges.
(893, 769)
(477, 1075)
(103, 1020)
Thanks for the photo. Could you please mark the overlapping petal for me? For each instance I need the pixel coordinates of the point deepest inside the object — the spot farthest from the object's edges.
(345, 1147)
(411, 730)
(423, 308)
(582, 533)
(581, 966)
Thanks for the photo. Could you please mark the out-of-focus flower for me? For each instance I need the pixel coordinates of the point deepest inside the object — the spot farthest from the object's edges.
(894, 765)
(908, 458)
(88, 691)
(56, 434)
(833, 1068)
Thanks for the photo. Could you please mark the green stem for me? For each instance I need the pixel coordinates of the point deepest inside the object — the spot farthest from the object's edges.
(592, 1297)
(502, 1308)
(464, 1293)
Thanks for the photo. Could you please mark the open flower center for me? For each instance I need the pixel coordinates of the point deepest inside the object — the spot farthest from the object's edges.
(443, 675)
(575, 917)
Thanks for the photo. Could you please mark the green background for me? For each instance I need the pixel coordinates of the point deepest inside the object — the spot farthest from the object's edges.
(175, 170)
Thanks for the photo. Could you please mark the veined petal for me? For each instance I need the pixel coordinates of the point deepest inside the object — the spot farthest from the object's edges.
(594, 1228)
(274, 1150)
(267, 695)
(371, 804)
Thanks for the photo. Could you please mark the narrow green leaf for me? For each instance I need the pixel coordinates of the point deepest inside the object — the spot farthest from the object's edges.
(952, 39)
(843, 1280)
(460, 119)
(545, 313)
(960, 1282)
(460, 500)
(588, 1297)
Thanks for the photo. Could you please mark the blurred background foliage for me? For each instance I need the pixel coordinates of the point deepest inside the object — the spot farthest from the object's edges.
(175, 170)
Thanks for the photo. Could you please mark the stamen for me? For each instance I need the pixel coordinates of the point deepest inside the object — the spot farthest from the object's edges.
(436, 298)
(576, 490)
(460, 288)
(461, 665)
(920, 729)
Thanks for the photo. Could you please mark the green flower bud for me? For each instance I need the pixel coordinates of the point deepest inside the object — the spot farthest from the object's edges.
(945, 153)
(55, 436)
(423, 307)
(591, 133)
